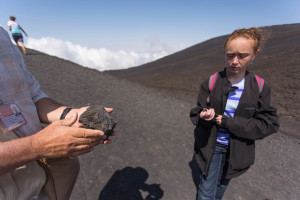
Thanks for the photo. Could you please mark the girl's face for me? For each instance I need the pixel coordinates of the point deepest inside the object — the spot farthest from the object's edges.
(239, 53)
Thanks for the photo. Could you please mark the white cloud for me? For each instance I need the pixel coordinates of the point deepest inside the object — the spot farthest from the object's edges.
(102, 58)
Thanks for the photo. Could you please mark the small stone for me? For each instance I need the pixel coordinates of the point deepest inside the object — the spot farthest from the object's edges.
(96, 117)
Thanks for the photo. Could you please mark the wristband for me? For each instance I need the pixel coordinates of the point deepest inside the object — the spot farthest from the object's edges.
(65, 112)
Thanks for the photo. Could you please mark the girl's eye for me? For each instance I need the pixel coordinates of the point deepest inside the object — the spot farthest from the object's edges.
(230, 55)
(238, 55)
(243, 55)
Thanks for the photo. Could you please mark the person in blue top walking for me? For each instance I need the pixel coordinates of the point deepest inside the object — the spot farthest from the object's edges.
(16, 29)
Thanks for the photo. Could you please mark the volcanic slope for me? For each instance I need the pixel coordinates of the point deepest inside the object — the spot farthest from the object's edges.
(181, 74)
(151, 158)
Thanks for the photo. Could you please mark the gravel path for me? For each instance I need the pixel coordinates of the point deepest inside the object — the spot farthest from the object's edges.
(151, 158)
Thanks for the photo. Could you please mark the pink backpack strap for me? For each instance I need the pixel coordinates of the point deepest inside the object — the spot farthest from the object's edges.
(211, 84)
(212, 81)
(260, 82)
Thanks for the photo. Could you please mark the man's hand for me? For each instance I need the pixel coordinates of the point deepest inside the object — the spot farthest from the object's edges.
(207, 114)
(59, 139)
(78, 112)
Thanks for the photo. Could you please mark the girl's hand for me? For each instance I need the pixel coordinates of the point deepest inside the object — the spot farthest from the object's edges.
(207, 114)
(219, 119)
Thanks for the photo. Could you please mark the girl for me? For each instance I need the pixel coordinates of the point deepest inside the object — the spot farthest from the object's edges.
(233, 110)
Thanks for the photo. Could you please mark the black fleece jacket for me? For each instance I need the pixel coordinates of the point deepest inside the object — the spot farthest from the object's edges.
(255, 118)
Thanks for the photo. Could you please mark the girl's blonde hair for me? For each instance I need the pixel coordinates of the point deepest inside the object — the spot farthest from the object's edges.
(250, 33)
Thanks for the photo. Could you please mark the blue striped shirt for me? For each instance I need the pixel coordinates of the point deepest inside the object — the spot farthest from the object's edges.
(230, 108)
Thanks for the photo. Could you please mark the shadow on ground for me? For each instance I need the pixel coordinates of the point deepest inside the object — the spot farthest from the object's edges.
(130, 183)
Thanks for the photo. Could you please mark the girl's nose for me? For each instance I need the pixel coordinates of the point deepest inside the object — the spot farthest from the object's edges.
(235, 59)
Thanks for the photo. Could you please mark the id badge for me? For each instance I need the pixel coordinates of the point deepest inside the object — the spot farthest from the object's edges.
(10, 117)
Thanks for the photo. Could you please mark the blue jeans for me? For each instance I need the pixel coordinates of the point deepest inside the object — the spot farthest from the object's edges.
(213, 186)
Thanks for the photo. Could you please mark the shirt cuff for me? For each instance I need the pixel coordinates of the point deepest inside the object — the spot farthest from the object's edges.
(39, 95)
(224, 122)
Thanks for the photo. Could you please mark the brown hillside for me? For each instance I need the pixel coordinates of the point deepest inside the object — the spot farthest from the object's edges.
(181, 73)
(152, 155)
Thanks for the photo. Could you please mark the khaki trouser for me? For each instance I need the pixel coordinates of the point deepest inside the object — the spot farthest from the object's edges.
(61, 177)
(24, 182)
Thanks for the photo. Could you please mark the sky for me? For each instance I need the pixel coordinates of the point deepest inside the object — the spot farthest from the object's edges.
(119, 34)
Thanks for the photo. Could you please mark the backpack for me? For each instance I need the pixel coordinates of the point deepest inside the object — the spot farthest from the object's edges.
(213, 78)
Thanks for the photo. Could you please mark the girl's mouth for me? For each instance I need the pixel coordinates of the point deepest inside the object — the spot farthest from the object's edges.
(234, 68)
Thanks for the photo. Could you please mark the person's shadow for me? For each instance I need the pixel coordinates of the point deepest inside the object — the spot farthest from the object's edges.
(195, 172)
(129, 184)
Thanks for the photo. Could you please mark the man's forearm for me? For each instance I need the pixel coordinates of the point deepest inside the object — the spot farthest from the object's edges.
(16, 153)
(49, 110)
(59, 139)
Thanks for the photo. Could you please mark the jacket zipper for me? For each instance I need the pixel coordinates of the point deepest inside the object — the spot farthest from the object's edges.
(229, 145)
(215, 143)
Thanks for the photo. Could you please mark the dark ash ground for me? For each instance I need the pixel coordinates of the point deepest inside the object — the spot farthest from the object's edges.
(152, 154)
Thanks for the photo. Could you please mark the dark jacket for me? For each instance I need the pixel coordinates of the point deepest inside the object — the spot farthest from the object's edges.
(255, 118)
